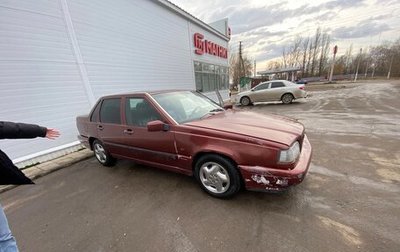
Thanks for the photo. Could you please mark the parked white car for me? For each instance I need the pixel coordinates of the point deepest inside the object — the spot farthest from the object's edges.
(276, 90)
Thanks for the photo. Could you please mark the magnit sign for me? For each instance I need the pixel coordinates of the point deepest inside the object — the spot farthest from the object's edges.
(205, 46)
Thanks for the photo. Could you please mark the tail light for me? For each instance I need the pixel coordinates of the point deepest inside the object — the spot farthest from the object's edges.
(301, 87)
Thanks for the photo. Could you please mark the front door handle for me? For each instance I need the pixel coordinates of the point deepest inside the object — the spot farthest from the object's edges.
(100, 127)
(128, 131)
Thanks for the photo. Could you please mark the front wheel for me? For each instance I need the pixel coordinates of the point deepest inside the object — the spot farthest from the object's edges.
(102, 155)
(245, 101)
(287, 98)
(217, 176)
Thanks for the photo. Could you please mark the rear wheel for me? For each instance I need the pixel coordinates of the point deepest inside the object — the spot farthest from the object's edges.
(102, 155)
(245, 101)
(217, 176)
(287, 98)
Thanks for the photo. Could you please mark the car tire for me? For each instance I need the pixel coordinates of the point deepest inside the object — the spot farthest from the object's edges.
(102, 155)
(287, 98)
(245, 101)
(217, 176)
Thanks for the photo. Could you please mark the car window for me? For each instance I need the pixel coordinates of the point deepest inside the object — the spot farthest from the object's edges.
(138, 112)
(185, 106)
(110, 111)
(95, 115)
(277, 84)
(261, 86)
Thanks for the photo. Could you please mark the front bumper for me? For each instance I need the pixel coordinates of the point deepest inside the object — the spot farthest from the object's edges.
(270, 179)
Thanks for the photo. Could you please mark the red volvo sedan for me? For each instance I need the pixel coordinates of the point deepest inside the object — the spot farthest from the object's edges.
(186, 132)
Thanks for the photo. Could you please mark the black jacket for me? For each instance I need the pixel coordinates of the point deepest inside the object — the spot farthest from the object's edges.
(9, 173)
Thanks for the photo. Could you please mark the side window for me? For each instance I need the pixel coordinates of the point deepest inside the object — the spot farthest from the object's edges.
(138, 112)
(261, 86)
(95, 115)
(277, 85)
(110, 111)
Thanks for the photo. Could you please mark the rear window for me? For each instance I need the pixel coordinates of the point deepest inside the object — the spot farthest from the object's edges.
(110, 111)
(277, 84)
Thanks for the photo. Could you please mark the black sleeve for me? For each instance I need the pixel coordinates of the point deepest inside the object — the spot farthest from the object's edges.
(21, 130)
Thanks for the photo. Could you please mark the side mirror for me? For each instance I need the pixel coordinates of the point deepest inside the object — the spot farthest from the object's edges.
(252, 90)
(228, 106)
(157, 125)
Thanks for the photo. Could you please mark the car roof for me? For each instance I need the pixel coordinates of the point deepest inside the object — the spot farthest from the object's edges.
(153, 92)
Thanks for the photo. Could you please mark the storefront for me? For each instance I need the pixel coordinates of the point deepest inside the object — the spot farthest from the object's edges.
(58, 57)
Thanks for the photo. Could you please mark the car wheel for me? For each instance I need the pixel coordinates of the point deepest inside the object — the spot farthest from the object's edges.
(287, 98)
(245, 101)
(102, 155)
(217, 176)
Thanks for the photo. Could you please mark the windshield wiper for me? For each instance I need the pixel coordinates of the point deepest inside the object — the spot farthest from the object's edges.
(216, 110)
(211, 112)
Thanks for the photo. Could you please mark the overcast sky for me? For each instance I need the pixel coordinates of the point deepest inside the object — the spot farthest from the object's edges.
(265, 27)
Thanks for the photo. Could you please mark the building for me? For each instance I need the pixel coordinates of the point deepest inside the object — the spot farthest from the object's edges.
(58, 57)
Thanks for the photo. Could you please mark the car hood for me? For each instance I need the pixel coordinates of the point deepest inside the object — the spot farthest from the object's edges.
(267, 127)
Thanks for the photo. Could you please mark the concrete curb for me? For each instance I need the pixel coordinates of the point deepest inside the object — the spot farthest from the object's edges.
(45, 168)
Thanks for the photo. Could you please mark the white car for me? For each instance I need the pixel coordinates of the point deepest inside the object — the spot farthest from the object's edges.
(276, 90)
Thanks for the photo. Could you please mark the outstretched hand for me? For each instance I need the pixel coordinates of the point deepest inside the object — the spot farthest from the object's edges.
(52, 133)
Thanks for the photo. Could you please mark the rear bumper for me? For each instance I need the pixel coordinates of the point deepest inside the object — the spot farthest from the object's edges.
(85, 141)
(270, 179)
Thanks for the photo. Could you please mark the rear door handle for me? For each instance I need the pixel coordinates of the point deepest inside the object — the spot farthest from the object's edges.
(128, 131)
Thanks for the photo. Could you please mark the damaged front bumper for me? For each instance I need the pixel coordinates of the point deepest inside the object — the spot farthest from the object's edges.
(270, 179)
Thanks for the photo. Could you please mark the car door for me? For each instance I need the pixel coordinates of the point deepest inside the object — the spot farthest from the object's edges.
(109, 127)
(277, 89)
(259, 92)
(152, 147)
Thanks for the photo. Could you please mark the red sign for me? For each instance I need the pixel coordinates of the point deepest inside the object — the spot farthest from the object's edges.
(206, 46)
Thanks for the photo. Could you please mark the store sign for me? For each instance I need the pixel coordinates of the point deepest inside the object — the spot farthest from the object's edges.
(205, 46)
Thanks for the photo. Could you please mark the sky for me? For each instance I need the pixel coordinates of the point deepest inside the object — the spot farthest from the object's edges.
(265, 27)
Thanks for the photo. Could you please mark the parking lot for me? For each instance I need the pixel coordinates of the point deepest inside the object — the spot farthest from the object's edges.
(349, 200)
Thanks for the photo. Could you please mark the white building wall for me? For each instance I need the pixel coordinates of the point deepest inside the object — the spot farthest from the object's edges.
(132, 45)
(123, 46)
(39, 79)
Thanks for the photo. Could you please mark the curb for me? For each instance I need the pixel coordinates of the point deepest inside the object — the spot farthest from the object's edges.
(48, 167)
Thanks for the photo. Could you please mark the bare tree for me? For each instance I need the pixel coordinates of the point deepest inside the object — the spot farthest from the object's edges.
(239, 68)
(304, 47)
(315, 50)
(292, 56)
(323, 59)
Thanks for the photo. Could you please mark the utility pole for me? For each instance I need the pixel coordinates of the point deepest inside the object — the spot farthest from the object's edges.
(254, 72)
(241, 60)
(390, 67)
(358, 65)
(333, 62)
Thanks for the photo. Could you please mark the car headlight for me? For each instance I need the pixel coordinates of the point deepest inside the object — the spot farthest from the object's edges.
(290, 155)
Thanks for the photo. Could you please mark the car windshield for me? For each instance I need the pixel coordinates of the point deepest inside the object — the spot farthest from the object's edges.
(186, 106)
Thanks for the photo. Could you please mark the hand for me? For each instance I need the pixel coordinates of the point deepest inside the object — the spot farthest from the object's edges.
(52, 133)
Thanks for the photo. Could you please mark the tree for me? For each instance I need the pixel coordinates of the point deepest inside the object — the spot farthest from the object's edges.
(323, 59)
(292, 57)
(239, 67)
(304, 45)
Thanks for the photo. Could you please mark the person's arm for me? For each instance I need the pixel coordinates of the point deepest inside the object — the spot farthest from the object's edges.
(12, 130)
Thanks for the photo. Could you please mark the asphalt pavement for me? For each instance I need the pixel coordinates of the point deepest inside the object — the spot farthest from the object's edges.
(349, 201)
